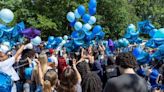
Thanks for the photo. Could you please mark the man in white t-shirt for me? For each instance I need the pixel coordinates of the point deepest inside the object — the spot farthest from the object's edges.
(6, 64)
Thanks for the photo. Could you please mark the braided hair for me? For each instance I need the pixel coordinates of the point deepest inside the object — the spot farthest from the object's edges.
(91, 83)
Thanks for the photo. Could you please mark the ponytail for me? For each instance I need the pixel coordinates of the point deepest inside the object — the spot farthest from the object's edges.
(47, 86)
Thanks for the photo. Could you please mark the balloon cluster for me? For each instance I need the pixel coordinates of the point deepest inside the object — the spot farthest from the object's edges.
(145, 27)
(83, 34)
(11, 36)
(157, 35)
(56, 42)
(123, 42)
(142, 56)
(132, 35)
(156, 41)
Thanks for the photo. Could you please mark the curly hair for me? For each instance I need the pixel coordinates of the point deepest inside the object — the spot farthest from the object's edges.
(68, 81)
(126, 60)
(91, 83)
(83, 68)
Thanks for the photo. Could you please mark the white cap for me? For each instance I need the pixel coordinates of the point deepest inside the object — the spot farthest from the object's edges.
(4, 49)
(29, 46)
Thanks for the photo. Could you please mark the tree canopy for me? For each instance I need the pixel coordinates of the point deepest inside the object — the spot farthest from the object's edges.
(114, 15)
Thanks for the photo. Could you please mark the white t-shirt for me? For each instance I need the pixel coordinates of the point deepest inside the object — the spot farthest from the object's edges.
(7, 67)
(54, 59)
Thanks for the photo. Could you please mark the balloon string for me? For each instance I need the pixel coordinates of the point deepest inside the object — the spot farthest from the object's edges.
(21, 66)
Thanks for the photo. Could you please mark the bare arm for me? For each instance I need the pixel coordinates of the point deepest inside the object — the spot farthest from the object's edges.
(18, 53)
(77, 72)
(40, 73)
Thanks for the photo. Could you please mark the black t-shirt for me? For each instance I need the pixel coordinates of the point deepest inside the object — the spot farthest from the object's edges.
(126, 83)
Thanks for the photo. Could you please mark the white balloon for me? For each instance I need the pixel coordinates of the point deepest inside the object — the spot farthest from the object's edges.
(92, 20)
(65, 37)
(87, 27)
(77, 15)
(6, 15)
(36, 41)
(70, 16)
(78, 26)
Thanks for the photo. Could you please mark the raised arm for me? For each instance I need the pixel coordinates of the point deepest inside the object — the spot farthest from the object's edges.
(77, 72)
(18, 53)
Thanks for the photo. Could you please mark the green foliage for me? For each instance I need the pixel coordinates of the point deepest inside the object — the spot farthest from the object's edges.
(114, 15)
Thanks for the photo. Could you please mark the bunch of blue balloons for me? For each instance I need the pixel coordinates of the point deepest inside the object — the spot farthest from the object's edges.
(132, 35)
(83, 34)
(56, 42)
(11, 35)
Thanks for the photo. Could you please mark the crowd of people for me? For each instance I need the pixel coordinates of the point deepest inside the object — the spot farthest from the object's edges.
(89, 69)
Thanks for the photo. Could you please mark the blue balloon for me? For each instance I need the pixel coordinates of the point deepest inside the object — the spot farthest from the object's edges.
(71, 16)
(86, 27)
(92, 11)
(79, 42)
(90, 37)
(97, 29)
(15, 32)
(1, 33)
(77, 35)
(81, 10)
(77, 15)
(101, 35)
(78, 26)
(72, 23)
(74, 34)
(92, 4)
(152, 32)
(49, 46)
(8, 29)
(2, 26)
(92, 20)
(53, 42)
(159, 33)
(6, 15)
(139, 53)
(51, 39)
(86, 18)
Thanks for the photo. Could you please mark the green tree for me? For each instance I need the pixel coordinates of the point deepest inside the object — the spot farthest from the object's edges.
(115, 16)
(150, 10)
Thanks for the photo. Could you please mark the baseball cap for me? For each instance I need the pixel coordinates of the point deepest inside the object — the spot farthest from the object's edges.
(4, 49)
